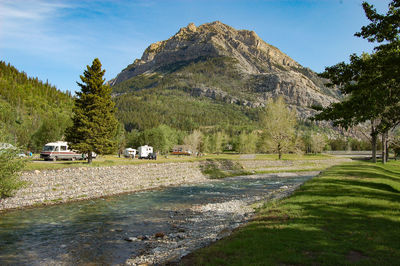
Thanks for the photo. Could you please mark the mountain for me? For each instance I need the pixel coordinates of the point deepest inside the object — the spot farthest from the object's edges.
(213, 67)
(32, 112)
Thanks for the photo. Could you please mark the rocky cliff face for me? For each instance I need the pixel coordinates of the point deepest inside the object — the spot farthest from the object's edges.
(256, 72)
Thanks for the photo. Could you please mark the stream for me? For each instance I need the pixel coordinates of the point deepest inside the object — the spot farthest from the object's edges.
(109, 231)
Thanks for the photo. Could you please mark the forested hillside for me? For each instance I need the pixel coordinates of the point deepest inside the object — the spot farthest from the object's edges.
(31, 112)
(174, 106)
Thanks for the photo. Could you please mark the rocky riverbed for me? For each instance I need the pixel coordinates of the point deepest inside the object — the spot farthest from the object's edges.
(201, 225)
(152, 227)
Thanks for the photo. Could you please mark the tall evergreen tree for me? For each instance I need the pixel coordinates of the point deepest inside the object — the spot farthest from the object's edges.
(94, 123)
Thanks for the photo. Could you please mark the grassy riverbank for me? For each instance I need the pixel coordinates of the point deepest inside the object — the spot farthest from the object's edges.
(112, 160)
(348, 215)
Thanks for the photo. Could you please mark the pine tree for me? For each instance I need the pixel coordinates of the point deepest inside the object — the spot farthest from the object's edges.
(94, 123)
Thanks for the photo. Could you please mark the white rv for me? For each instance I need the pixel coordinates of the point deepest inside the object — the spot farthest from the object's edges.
(129, 153)
(146, 152)
(59, 151)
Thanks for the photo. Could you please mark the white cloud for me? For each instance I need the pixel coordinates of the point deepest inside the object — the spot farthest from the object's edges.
(43, 35)
(28, 10)
(28, 25)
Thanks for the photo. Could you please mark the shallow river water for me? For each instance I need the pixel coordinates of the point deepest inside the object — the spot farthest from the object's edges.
(93, 231)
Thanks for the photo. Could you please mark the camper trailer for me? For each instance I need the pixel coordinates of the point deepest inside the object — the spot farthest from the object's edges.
(146, 152)
(129, 153)
(59, 150)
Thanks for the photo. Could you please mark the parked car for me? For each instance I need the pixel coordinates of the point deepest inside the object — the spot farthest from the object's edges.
(152, 156)
(94, 155)
(21, 155)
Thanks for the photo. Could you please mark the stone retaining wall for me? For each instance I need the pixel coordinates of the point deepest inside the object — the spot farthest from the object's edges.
(55, 186)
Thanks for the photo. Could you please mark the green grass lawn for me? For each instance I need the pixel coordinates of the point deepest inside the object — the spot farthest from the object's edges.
(113, 160)
(349, 215)
(103, 160)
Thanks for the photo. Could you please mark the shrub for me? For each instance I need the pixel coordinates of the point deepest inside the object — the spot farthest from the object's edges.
(10, 167)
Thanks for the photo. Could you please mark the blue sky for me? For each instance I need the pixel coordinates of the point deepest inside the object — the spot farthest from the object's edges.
(55, 40)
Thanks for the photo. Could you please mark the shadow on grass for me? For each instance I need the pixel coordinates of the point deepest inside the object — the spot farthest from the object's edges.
(366, 171)
(365, 184)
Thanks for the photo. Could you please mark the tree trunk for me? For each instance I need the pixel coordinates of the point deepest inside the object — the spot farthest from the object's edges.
(279, 152)
(384, 147)
(374, 139)
(387, 151)
(90, 157)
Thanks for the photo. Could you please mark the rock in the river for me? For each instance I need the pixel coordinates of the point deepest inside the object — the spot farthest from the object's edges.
(159, 235)
(143, 237)
(130, 239)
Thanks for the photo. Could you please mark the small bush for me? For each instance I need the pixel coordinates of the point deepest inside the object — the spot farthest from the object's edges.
(10, 167)
(221, 168)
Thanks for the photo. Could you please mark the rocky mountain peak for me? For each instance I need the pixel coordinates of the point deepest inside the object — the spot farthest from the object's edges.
(254, 69)
(213, 39)
(190, 28)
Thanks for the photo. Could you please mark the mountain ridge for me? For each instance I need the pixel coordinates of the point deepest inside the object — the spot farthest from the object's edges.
(208, 39)
(225, 65)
